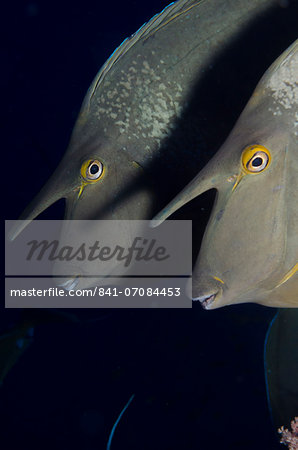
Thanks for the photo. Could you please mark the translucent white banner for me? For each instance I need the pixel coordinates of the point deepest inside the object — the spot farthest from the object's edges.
(113, 293)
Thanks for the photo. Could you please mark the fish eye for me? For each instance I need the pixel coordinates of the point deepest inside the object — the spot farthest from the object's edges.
(92, 170)
(258, 162)
(255, 159)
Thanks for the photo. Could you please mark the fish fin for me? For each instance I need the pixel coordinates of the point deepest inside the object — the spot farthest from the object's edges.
(117, 421)
(171, 12)
(176, 9)
(281, 366)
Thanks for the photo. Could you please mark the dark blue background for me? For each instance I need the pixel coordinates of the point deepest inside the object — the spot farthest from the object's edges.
(197, 376)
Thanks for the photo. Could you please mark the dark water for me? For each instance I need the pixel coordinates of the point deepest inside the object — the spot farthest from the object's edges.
(197, 376)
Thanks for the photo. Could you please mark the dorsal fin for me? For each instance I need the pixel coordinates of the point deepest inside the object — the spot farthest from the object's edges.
(169, 13)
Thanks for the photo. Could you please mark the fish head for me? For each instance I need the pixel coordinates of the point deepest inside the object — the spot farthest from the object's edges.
(100, 182)
(249, 251)
(98, 179)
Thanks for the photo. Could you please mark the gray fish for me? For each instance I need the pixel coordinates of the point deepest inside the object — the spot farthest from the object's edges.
(250, 248)
(132, 107)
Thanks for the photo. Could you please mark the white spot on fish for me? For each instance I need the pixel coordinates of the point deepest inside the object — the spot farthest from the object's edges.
(162, 102)
(126, 84)
(231, 178)
(150, 108)
(111, 94)
(120, 122)
(283, 81)
(296, 123)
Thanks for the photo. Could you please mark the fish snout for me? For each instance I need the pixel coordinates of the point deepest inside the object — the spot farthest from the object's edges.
(69, 284)
(66, 276)
(80, 285)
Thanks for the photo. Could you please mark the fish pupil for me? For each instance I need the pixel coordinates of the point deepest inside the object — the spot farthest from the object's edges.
(257, 162)
(94, 169)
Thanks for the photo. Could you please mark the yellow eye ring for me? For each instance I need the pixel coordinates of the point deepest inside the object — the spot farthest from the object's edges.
(92, 170)
(255, 159)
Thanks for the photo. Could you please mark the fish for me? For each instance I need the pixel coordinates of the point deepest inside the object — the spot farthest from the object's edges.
(117, 158)
(136, 103)
(249, 251)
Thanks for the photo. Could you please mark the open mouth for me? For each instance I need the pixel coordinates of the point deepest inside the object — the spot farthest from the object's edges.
(206, 300)
(70, 284)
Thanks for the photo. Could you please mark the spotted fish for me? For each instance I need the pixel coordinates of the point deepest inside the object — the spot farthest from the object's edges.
(134, 106)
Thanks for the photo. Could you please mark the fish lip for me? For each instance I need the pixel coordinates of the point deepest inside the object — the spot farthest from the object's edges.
(206, 300)
(70, 284)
